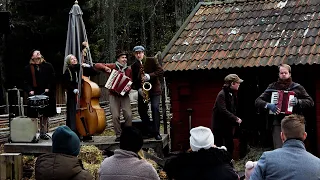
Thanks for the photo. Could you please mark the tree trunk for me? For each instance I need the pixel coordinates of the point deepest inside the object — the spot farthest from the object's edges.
(143, 26)
(111, 40)
(2, 74)
(152, 30)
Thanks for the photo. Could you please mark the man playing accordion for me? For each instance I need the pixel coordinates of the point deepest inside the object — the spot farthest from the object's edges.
(300, 102)
(118, 101)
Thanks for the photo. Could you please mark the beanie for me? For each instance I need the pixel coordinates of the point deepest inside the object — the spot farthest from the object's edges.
(249, 169)
(201, 137)
(65, 141)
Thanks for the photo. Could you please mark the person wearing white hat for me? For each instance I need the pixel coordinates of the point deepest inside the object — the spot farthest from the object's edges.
(205, 161)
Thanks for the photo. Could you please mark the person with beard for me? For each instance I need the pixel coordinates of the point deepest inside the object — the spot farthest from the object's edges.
(224, 112)
(301, 101)
(117, 101)
(70, 82)
(39, 79)
(206, 161)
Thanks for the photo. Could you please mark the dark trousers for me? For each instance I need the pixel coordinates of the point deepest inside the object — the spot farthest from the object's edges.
(150, 127)
(223, 137)
(71, 111)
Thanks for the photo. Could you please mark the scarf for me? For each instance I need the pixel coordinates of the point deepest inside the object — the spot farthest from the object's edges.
(283, 84)
(121, 67)
(75, 68)
(33, 74)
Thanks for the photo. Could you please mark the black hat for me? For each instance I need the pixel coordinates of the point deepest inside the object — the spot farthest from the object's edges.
(120, 53)
(131, 139)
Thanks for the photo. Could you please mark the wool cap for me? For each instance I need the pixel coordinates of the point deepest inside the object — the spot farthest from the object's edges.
(201, 137)
(233, 78)
(65, 141)
(138, 48)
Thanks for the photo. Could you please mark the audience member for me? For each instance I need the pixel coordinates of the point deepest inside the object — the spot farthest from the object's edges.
(126, 164)
(63, 162)
(205, 161)
(249, 169)
(292, 161)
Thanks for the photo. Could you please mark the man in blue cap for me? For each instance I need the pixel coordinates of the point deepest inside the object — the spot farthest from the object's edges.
(147, 70)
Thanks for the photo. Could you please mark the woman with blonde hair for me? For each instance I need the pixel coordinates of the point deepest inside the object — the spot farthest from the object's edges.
(70, 81)
(39, 79)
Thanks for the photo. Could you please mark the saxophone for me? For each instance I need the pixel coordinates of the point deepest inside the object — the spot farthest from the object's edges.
(146, 86)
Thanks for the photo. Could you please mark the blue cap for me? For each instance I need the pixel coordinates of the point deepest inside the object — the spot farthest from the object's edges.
(138, 48)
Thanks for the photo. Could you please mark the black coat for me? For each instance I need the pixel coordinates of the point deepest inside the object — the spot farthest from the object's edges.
(45, 79)
(70, 82)
(224, 110)
(305, 101)
(151, 67)
(208, 164)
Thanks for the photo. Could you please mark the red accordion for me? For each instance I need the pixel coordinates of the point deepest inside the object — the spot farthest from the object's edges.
(118, 82)
(282, 100)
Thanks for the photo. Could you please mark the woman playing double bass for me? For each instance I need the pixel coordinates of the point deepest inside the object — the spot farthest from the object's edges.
(70, 81)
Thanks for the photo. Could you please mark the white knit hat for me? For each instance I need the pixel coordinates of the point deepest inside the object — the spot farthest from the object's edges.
(250, 165)
(201, 137)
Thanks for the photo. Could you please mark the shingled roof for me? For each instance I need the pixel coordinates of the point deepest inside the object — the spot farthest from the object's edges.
(246, 34)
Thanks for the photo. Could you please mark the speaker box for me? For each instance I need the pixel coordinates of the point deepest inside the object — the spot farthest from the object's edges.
(5, 22)
(23, 129)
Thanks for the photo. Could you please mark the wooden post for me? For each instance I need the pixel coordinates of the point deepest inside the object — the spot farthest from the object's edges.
(11, 166)
(163, 96)
(7, 102)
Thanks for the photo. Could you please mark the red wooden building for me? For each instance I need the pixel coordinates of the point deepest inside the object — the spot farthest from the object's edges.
(249, 38)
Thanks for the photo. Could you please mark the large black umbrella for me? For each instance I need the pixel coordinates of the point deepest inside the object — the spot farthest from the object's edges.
(76, 35)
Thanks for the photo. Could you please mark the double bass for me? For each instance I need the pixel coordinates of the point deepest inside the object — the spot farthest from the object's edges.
(90, 117)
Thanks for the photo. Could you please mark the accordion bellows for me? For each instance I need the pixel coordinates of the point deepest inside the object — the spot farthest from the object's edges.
(282, 100)
(118, 82)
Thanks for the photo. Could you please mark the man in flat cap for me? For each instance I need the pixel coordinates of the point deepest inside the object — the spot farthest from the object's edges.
(118, 101)
(224, 112)
(147, 70)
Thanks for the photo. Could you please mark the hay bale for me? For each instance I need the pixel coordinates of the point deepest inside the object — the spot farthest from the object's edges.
(91, 155)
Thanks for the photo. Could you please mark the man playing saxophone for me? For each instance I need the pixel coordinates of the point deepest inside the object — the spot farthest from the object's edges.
(145, 77)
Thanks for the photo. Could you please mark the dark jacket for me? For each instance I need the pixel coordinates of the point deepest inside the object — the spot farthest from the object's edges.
(305, 101)
(60, 167)
(208, 164)
(45, 79)
(151, 67)
(127, 72)
(71, 76)
(224, 110)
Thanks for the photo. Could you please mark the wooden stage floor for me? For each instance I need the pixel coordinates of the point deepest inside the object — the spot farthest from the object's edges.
(102, 142)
